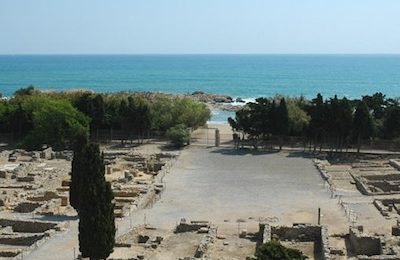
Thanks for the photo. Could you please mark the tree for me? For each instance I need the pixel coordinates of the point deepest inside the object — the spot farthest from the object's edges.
(392, 123)
(362, 123)
(339, 121)
(28, 91)
(298, 119)
(376, 103)
(318, 120)
(281, 121)
(78, 170)
(345, 121)
(20, 121)
(96, 209)
(55, 122)
(274, 250)
(179, 135)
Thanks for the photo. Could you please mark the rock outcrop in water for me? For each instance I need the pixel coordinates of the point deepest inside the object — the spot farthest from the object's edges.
(215, 101)
(211, 98)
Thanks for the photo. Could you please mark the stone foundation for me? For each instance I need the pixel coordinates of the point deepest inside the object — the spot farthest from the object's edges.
(300, 232)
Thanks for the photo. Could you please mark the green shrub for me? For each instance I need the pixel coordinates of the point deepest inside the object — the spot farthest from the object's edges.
(179, 135)
(274, 250)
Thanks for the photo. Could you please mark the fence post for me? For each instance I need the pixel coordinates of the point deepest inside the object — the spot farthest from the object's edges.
(217, 138)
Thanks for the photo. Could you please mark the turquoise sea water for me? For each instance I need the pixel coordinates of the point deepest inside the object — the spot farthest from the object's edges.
(245, 76)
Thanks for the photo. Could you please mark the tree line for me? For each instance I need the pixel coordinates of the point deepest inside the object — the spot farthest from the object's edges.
(35, 118)
(335, 122)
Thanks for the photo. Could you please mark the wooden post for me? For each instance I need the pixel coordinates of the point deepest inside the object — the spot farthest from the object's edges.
(319, 216)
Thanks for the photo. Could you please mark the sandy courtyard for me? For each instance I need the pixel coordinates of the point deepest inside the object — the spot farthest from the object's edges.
(224, 185)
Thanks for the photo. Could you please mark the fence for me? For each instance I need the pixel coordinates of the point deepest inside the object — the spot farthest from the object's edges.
(110, 135)
(208, 136)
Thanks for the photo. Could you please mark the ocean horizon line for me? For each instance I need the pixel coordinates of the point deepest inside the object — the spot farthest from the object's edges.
(200, 54)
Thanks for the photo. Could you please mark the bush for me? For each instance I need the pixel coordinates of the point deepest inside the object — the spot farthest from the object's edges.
(274, 250)
(179, 135)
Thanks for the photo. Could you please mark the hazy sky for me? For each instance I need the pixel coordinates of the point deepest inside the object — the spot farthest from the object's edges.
(199, 26)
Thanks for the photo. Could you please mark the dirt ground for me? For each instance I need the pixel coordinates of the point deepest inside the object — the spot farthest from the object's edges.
(220, 184)
(227, 186)
(234, 190)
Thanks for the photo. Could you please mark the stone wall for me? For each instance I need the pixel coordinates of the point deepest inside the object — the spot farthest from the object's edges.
(303, 233)
(47, 154)
(26, 207)
(395, 164)
(27, 226)
(364, 245)
(184, 226)
(23, 240)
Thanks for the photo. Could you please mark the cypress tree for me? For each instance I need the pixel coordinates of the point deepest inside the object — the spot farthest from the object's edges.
(96, 209)
(78, 170)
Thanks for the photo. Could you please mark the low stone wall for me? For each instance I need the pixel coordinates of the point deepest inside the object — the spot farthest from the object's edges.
(325, 250)
(264, 233)
(27, 226)
(377, 184)
(395, 164)
(378, 257)
(303, 233)
(26, 207)
(191, 226)
(205, 242)
(361, 186)
(21, 240)
(10, 253)
(381, 207)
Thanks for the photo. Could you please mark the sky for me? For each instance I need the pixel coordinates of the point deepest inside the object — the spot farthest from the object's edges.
(199, 26)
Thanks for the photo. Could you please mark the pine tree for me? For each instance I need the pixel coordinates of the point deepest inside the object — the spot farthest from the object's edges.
(96, 211)
(281, 121)
(362, 123)
(318, 120)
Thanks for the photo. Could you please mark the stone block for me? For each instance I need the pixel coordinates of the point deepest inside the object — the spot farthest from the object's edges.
(395, 231)
(47, 154)
(64, 201)
(65, 183)
(26, 207)
(143, 239)
(3, 174)
(26, 178)
(243, 233)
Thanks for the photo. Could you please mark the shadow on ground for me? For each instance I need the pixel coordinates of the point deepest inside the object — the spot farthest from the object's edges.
(59, 218)
(243, 151)
(248, 151)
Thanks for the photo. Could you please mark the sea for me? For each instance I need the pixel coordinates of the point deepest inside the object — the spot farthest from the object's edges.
(240, 76)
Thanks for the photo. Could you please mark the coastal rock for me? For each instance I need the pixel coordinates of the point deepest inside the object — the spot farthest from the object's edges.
(211, 98)
(239, 100)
